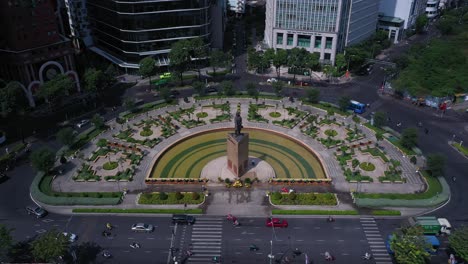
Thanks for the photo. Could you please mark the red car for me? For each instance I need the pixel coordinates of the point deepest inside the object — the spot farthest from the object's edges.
(276, 222)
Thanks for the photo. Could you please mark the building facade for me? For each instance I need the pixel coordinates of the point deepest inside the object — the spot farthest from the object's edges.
(31, 48)
(394, 26)
(78, 23)
(237, 6)
(322, 26)
(126, 32)
(432, 8)
(407, 10)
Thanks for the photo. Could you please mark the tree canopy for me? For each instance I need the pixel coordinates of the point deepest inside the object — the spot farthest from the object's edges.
(54, 89)
(436, 164)
(410, 246)
(94, 80)
(459, 242)
(409, 138)
(49, 246)
(218, 59)
(12, 98)
(43, 159)
(6, 243)
(66, 136)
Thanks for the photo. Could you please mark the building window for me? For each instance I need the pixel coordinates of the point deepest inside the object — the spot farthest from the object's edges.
(290, 39)
(328, 43)
(318, 42)
(327, 56)
(279, 38)
(303, 41)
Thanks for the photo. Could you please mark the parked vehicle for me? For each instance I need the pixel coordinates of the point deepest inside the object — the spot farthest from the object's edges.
(272, 80)
(276, 222)
(82, 123)
(71, 237)
(39, 212)
(183, 219)
(166, 75)
(432, 225)
(141, 227)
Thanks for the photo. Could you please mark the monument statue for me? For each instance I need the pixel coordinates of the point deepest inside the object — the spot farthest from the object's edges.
(238, 124)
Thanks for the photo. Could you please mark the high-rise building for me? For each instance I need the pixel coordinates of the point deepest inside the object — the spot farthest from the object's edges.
(322, 26)
(31, 47)
(432, 8)
(237, 6)
(125, 32)
(408, 10)
(78, 23)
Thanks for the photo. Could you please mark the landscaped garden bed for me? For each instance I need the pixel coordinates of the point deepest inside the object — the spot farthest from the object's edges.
(124, 176)
(300, 181)
(314, 212)
(86, 174)
(136, 211)
(253, 114)
(171, 198)
(294, 198)
(175, 181)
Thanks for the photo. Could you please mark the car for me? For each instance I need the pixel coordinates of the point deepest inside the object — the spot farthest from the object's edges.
(141, 227)
(174, 93)
(365, 69)
(82, 123)
(71, 237)
(272, 80)
(183, 219)
(211, 90)
(276, 222)
(38, 211)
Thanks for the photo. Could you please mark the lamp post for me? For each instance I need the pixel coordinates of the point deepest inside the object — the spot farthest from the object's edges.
(271, 252)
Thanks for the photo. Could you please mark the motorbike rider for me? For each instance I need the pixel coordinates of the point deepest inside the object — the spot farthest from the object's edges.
(367, 256)
(109, 226)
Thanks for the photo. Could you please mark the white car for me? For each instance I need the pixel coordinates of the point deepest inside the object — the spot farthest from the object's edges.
(82, 123)
(272, 80)
(141, 227)
(71, 237)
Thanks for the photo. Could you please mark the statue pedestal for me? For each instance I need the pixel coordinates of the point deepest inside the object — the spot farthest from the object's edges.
(238, 153)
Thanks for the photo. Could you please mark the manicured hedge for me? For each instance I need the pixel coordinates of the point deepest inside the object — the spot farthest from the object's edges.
(314, 212)
(41, 191)
(155, 198)
(386, 212)
(303, 199)
(137, 211)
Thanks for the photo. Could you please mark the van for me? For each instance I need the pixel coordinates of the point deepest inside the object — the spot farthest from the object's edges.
(183, 219)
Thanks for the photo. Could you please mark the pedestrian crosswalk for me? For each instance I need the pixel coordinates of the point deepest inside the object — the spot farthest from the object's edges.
(206, 240)
(375, 240)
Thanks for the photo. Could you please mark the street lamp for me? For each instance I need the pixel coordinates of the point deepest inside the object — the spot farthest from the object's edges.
(271, 252)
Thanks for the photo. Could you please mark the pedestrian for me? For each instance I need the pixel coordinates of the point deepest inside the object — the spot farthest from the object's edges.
(426, 131)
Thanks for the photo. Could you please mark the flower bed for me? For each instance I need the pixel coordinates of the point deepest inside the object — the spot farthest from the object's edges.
(126, 175)
(146, 132)
(367, 166)
(175, 181)
(331, 132)
(86, 174)
(110, 165)
(275, 114)
(172, 198)
(202, 114)
(277, 198)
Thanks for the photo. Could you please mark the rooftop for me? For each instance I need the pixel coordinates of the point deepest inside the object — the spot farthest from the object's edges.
(391, 19)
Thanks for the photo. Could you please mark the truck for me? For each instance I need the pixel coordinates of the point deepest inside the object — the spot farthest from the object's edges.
(432, 225)
(431, 240)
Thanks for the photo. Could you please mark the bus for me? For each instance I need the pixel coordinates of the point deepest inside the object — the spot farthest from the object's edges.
(357, 107)
(431, 241)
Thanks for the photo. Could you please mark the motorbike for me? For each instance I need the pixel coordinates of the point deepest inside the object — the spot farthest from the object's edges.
(236, 223)
(329, 257)
(230, 217)
(109, 226)
(135, 245)
(253, 247)
(367, 256)
(106, 254)
(106, 233)
(215, 259)
(330, 219)
(286, 190)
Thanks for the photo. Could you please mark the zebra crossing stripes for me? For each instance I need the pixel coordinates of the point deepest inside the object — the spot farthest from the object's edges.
(206, 240)
(375, 240)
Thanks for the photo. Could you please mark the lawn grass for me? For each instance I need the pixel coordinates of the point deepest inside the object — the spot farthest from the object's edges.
(375, 129)
(304, 199)
(45, 186)
(136, 211)
(314, 212)
(187, 198)
(462, 149)
(434, 188)
(386, 212)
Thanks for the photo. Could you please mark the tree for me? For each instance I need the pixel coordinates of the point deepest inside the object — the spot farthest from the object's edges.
(340, 62)
(66, 136)
(296, 60)
(436, 164)
(50, 246)
(218, 59)
(421, 22)
(147, 68)
(313, 95)
(6, 243)
(102, 143)
(312, 62)
(12, 98)
(54, 89)
(446, 23)
(254, 59)
(129, 104)
(165, 93)
(198, 53)
(97, 121)
(228, 88)
(280, 59)
(109, 74)
(94, 81)
(459, 242)
(43, 159)
(380, 118)
(278, 87)
(179, 57)
(199, 87)
(344, 102)
(252, 90)
(410, 246)
(409, 138)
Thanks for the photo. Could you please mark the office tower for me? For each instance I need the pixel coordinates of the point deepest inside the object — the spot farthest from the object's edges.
(322, 26)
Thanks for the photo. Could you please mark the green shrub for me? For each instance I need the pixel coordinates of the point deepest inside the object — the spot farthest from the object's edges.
(355, 163)
(202, 114)
(276, 196)
(367, 166)
(110, 165)
(195, 196)
(386, 212)
(248, 181)
(179, 196)
(137, 211)
(314, 212)
(163, 196)
(413, 159)
(292, 196)
(227, 180)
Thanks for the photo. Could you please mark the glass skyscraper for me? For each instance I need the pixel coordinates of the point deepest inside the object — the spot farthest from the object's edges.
(127, 31)
(322, 26)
